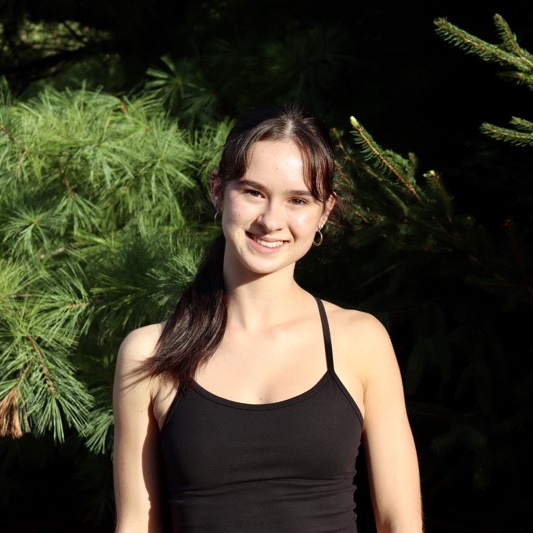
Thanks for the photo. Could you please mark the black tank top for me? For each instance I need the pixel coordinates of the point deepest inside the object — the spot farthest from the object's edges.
(283, 467)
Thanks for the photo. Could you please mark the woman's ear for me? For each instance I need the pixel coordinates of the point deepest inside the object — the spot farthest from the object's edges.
(328, 206)
(216, 190)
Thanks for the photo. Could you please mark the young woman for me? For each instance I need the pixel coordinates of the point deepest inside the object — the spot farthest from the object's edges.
(245, 411)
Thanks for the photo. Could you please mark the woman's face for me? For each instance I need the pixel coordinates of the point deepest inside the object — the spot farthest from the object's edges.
(269, 216)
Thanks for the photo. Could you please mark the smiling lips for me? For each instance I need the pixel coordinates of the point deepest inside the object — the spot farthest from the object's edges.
(267, 244)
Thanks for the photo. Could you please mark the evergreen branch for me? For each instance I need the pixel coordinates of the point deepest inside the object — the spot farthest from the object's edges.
(100, 426)
(69, 404)
(509, 53)
(509, 39)
(30, 230)
(432, 224)
(8, 134)
(435, 179)
(24, 149)
(52, 393)
(486, 51)
(522, 124)
(428, 231)
(69, 188)
(388, 163)
(339, 144)
(505, 134)
(524, 78)
(42, 364)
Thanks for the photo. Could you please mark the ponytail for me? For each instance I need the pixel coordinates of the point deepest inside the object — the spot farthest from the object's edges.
(196, 328)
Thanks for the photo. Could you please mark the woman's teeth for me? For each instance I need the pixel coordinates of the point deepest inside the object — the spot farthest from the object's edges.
(268, 244)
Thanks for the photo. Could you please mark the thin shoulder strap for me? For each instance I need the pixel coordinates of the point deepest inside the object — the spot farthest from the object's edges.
(326, 333)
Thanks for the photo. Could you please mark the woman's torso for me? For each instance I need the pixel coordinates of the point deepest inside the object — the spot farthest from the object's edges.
(279, 464)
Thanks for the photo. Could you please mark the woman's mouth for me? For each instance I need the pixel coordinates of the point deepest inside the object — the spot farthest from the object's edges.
(266, 244)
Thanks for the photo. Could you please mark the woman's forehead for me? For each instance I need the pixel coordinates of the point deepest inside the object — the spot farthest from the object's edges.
(274, 161)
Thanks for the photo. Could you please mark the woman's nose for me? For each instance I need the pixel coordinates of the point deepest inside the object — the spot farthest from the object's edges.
(271, 217)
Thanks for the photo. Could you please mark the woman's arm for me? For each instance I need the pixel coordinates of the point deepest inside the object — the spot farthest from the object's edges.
(387, 437)
(135, 455)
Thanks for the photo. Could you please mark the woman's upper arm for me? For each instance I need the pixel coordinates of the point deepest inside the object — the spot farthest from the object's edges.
(388, 439)
(135, 453)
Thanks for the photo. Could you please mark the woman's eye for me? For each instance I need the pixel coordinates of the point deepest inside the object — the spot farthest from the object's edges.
(299, 201)
(252, 192)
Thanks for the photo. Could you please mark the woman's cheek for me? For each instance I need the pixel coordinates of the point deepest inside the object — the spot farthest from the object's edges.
(306, 219)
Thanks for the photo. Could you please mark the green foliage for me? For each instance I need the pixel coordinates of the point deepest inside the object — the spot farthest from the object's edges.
(183, 88)
(101, 198)
(508, 54)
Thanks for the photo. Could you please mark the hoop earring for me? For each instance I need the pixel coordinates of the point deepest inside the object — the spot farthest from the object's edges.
(320, 238)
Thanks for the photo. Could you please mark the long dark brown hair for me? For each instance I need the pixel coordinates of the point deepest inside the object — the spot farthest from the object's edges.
(196, 328)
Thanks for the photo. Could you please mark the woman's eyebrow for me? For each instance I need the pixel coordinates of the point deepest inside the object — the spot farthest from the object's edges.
(259, 186)
(250, 183)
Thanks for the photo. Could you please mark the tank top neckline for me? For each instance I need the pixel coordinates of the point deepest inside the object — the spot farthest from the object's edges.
(293, 399)
(197, 388)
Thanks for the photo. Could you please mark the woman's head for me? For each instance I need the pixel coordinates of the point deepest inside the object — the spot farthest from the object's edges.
(281, 122)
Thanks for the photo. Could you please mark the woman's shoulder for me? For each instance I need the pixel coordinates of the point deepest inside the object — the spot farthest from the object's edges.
(354, 322)
(360, 339)
(140, 343)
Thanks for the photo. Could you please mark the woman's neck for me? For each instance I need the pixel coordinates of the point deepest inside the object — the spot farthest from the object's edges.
(262, 301)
